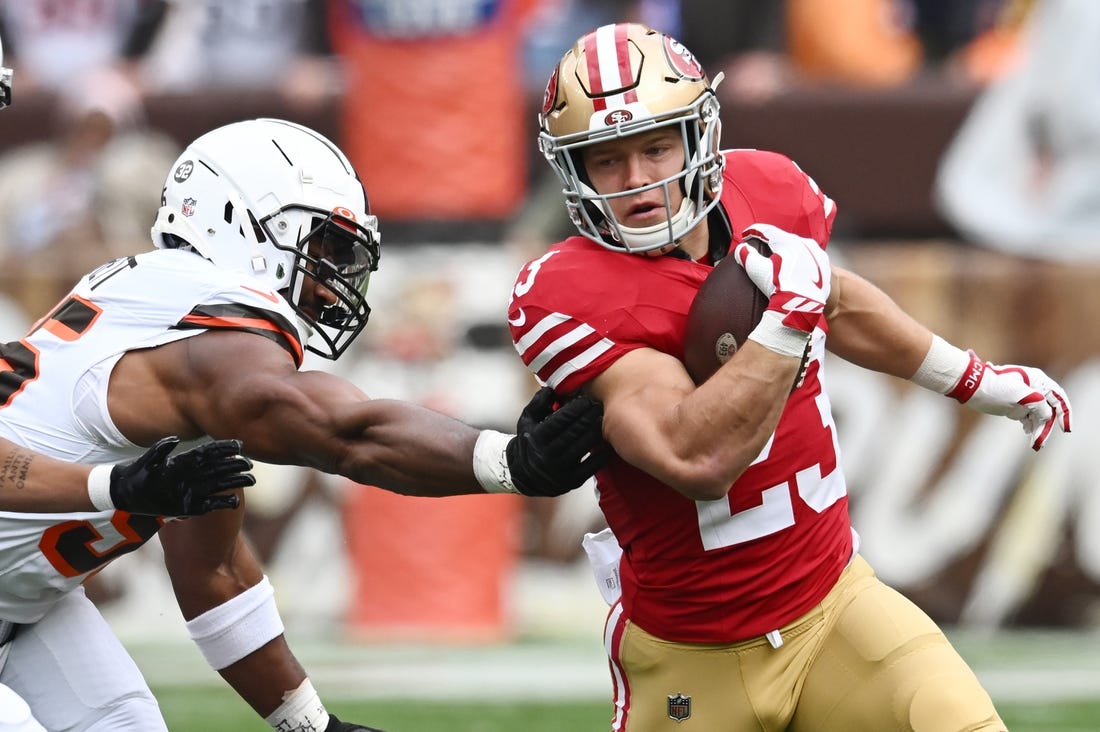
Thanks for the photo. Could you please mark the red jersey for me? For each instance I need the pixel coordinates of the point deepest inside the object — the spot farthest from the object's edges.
(699, 571)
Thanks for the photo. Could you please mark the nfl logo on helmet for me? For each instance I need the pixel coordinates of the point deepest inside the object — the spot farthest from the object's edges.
(679, 707)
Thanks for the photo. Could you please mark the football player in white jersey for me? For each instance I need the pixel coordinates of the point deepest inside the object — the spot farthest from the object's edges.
(743, 602)
(193, 482)
(264, 249)
(155, 484)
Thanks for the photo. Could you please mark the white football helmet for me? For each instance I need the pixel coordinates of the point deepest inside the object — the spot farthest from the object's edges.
(277, 201)
(5, 80)
(619, 80)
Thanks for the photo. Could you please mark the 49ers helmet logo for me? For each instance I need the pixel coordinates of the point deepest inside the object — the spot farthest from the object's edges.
(682, 60)
(551, 92)
(618, 117)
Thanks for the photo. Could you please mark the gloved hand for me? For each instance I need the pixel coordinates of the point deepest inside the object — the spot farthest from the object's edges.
(1022, 393)
(796, 277)
(335, 725)
(189, 484)
(555, 451)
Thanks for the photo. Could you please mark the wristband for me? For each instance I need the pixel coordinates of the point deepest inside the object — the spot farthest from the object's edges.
(773, 335)
(943, 369)
(491, 462)
(301, 710)
(99, 487)
(242, 624)
(970, 380)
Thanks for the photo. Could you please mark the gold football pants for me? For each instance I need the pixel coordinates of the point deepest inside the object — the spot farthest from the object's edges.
(864, 659)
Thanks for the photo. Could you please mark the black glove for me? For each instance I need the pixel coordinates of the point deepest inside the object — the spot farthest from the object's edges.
(189, 484)
(554, 452)
(335, 725)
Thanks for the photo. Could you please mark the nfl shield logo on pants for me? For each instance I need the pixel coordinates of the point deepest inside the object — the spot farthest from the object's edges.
(679, 707)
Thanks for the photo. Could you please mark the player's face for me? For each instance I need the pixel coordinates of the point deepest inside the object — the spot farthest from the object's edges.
(634, 162)
(316, 295)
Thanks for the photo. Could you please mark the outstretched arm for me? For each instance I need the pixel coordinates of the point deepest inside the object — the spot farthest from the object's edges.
(320, 420)
(869, 329)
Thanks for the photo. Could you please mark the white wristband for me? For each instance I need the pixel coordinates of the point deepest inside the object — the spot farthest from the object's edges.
(301, 710)
(99, 487)
(942, 368)
(773, 335)
(491, 462)
(227, 633)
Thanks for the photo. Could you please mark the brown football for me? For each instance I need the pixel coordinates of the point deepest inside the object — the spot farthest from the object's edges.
(725, 310)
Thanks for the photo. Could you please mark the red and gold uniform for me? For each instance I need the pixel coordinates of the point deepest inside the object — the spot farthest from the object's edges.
(752, 611)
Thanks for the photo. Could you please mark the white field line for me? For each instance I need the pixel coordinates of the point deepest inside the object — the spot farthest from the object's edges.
(568, 670)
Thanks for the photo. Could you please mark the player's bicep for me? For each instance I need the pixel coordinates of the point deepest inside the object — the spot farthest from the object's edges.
(641, 392)
(246, 388)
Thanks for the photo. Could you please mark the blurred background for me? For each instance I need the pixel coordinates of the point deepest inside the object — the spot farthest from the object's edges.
(960, 140)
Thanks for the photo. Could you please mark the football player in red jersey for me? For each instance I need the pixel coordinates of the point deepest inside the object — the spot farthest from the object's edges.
(743, 603)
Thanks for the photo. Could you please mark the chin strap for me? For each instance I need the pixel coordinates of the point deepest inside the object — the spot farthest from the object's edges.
(645, 238)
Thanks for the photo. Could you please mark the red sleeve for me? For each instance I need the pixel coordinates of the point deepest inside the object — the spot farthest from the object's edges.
(770, 188)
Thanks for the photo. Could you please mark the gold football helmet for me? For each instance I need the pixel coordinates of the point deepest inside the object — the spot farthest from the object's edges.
(620, 80)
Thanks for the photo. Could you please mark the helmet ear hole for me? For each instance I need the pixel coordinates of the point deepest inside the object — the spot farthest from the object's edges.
(171, 241)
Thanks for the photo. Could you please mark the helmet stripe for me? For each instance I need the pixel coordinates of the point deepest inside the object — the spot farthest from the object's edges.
(622, 53)
(608, 54)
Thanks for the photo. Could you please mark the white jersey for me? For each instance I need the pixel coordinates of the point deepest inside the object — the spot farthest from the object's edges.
(53, 399)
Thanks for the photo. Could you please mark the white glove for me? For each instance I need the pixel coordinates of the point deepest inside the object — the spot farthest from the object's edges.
(796, 277)
(1022, 393)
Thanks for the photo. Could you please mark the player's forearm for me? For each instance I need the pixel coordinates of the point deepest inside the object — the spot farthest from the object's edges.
(732, 415)
(264, 676)
(696, 441)
(869, 329)
(33, 482)
(413, 451)
(229, 608)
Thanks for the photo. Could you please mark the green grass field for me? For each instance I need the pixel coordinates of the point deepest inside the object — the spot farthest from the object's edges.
(205, 709)
(1041, 682)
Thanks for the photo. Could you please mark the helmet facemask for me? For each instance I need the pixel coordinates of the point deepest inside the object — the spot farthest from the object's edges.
(279, 203)
(338, 254)
(698, 181)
